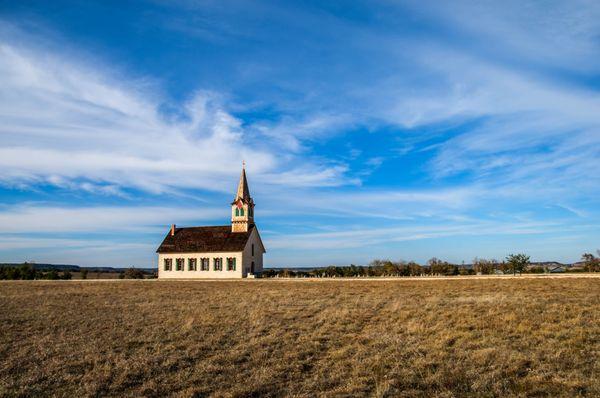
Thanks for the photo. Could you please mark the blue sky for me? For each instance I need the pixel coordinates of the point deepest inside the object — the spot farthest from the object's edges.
(377, 129)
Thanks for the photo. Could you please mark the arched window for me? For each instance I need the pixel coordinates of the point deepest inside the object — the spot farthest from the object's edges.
(237, 212)
(218, 264)
(251, 212)
(231, 264)
(242, 212)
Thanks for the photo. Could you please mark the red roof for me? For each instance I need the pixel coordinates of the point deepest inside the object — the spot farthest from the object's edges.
(205, 239)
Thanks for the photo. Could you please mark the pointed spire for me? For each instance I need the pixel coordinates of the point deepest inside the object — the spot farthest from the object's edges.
(243, 192)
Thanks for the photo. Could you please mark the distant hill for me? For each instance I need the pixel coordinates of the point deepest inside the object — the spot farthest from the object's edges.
(73, 268)
(45, 267)
(305, 269)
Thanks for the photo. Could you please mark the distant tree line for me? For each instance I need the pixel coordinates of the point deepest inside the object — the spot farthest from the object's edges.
(28, 272)
(513, 264)
(377, 268)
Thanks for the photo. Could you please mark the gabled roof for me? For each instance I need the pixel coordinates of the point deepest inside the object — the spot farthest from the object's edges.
(205, 239)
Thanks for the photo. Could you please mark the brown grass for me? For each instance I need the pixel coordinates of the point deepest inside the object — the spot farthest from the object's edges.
(478, 337)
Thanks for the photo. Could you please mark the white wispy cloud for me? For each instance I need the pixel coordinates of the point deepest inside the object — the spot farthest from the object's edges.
(550, 34)
(86, 245)
(65, 122)
(455, 242)
(385, 204)
(86, 252)
(28, 219)
(365, 237)
(514, 67)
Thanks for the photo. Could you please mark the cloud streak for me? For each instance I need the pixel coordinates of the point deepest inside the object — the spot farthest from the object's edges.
(91, 128)
(382, 236)
(100, 219)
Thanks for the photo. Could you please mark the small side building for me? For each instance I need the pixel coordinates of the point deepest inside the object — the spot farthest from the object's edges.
(227, 251)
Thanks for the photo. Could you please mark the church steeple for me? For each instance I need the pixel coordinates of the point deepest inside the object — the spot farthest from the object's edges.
(243, 192)
(242, 207)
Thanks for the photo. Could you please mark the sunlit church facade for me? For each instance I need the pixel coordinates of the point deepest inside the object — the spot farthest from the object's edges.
(224, 251)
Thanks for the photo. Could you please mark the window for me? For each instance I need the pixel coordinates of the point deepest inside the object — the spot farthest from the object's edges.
(168, 264)
(204, 264)
(192, 264)
(253, 249)
(242, 212)
(237, 212)
(179, 264)
(251, 211)
(231, 264)
(217, 264)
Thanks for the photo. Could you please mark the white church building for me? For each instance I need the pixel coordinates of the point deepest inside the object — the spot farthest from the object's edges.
(224, 251)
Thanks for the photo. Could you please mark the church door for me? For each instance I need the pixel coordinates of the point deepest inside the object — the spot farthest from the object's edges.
(252, 268)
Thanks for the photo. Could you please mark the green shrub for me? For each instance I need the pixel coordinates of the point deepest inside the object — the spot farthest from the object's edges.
(133, 273)
(52, 275)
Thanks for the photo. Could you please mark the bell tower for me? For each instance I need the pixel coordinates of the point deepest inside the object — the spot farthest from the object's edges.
(242, 207)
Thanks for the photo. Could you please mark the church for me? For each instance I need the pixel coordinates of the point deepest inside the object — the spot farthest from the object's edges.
(224, 251)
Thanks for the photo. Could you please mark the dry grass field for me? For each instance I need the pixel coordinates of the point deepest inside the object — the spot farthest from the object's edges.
(473, 337)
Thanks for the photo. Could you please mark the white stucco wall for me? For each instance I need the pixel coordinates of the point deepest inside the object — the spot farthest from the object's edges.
(258, 254)
(198, 274)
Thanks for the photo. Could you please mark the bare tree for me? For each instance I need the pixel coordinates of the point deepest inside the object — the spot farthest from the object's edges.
(590, 262)
(483, 266)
